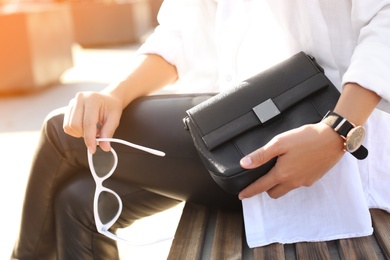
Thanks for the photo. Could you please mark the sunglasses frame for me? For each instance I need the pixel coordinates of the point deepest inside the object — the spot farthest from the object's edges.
(104, 228)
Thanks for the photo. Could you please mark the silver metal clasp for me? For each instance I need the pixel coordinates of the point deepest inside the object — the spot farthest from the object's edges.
(185, 122)
(266, 110)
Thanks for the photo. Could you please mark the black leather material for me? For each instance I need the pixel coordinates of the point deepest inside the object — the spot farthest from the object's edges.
(57, 220)
(236, 122)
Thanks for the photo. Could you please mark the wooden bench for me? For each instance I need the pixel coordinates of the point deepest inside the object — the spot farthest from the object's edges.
(203, 233)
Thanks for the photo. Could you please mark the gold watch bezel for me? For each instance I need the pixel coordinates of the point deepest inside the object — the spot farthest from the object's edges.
(354, 139)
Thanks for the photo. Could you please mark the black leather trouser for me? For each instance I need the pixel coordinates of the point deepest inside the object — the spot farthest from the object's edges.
(57, 220)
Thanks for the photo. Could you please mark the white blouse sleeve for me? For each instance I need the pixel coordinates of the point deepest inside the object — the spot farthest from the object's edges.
(167, 38)
(370, 62)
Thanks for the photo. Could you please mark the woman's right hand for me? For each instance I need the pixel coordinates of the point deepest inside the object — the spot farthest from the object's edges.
(90, 115)
(97, 114)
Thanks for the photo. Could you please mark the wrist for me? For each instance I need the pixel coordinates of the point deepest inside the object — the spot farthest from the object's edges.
(119, 91)
(352, 135)
(331, 136)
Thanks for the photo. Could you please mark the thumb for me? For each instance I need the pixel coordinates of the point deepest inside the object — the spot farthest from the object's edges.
(260, 156)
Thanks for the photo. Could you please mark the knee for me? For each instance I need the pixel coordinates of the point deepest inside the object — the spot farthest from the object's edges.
(74, 202)
(53, 134)
(53, 122)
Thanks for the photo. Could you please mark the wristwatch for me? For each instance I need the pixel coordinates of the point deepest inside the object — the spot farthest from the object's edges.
(353, 135)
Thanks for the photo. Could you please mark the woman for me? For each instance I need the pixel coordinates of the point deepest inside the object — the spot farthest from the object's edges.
(207, 45)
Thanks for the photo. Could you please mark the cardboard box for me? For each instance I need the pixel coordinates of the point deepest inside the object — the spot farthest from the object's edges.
(35, 46)
(110, 23)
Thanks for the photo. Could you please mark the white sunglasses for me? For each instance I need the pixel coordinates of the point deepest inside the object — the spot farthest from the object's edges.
(107, 205)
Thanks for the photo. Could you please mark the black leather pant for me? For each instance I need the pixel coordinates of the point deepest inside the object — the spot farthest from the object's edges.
(57, 220)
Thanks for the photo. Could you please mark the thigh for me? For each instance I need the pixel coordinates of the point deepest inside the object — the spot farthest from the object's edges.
(74, 204)
(74, 216)
(157, 122)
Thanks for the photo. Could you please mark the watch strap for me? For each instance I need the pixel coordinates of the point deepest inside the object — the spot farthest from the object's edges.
(342, 126)
(361, 153)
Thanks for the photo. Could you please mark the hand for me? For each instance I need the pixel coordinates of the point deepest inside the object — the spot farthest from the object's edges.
(304, 155)
(91, 115)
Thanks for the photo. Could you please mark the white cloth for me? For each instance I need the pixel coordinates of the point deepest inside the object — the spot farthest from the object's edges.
(216, 44)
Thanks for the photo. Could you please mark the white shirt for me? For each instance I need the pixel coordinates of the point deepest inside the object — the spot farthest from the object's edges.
(216, 44)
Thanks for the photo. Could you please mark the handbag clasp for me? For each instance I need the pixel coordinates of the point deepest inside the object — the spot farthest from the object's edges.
(266, 110)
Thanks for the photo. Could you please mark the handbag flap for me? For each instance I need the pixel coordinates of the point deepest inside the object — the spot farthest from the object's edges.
(257, 99)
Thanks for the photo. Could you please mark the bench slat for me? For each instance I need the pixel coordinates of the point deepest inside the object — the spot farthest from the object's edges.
(203, 233)
(273, 251)
(357, 248)
(227, 242)
(190, 233)
(381, 223)
(308, 251)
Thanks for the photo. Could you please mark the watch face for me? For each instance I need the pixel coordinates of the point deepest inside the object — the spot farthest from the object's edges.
(355, 139)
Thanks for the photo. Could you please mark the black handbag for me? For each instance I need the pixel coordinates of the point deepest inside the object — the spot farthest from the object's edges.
(234, 123)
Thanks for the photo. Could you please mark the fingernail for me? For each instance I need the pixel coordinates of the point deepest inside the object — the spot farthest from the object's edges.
(246, 161)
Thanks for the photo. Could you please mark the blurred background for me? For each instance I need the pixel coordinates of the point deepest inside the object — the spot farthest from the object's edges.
(37, 36)
(49, 51)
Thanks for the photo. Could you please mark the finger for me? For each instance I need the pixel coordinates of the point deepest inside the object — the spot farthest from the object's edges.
(90, 125)
(65, 124)
(72, 123)
(108, 129)
(261, 155)
(278, 191)
(264, 183)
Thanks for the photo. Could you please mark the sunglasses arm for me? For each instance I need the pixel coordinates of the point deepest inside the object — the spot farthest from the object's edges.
(136, 146)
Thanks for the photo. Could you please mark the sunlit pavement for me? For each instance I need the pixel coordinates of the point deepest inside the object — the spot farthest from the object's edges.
(20, 121)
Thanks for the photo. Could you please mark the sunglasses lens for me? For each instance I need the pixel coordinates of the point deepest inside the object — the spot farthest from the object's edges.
(108, 206)
(103, 162)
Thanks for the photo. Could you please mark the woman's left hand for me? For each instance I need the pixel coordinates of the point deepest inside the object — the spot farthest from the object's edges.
(304, 155)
